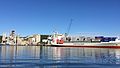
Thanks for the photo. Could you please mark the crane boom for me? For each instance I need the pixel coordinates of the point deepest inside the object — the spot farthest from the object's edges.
(69, 26)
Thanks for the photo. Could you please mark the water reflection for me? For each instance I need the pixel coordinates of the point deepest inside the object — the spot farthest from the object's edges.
(15, 56)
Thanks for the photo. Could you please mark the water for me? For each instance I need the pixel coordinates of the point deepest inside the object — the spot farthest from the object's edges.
(58, 57)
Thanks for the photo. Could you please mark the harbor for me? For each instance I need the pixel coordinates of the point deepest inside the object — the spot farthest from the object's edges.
(59, 34)
(60, 40)
(58, 50)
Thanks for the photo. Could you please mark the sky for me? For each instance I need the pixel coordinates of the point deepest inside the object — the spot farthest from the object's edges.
(28, 17)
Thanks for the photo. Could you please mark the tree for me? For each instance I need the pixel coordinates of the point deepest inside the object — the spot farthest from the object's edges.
(0, 39)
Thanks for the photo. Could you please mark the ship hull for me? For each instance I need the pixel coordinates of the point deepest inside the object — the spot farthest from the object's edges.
(88, 45)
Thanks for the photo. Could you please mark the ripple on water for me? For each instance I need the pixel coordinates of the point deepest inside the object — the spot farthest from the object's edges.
(37, 56)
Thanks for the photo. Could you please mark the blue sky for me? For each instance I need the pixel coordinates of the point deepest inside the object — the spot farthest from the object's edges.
(44, 16)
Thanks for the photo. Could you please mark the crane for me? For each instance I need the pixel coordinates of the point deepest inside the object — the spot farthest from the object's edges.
(68, 30)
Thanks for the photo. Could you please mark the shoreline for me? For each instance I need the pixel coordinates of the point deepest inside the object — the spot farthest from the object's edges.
(80, 46)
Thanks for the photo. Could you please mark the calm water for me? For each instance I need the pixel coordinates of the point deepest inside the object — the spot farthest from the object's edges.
(58, 57)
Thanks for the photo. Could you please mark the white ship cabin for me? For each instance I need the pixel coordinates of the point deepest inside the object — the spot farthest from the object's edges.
(57, 38)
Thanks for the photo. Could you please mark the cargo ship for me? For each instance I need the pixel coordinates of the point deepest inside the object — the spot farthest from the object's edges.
(57, 40)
